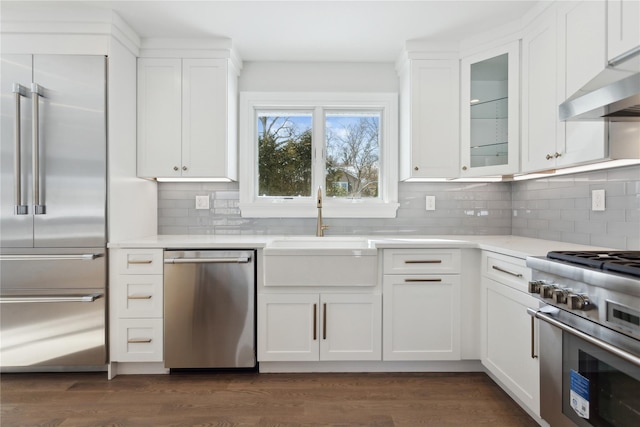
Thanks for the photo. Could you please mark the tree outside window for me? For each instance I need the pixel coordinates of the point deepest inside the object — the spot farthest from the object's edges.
(352, 152)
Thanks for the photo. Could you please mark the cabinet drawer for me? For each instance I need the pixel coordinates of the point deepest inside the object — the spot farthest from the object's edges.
(507, 270)
(138, 295)
(420, 261)
(140, 261)
(138, 340)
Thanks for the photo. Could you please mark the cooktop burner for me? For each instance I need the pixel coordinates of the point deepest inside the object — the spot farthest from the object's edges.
(623, 262)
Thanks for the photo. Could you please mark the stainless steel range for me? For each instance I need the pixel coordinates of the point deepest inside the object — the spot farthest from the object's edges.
(589, 337)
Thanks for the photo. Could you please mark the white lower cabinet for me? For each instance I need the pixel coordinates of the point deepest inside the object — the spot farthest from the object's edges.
(421, 308)
(509, 338)
(313, 327)
(421, 317)
(136, 309)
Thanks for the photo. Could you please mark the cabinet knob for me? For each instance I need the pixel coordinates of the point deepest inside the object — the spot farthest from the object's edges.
(415, 168)
(175, 168)
(557, 155)
(464, 168)
(548, 157)
(184, 168)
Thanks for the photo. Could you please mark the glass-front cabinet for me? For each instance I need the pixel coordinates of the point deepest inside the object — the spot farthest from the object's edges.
(490, 112)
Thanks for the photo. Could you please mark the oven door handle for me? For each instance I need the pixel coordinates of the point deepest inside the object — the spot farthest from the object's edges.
(588, 338)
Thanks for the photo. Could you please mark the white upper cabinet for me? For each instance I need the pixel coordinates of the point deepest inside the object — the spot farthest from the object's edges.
(489, 118)
(562, 51)
(187, 112)
(623, 27)
(583, 39)
(582, 43)
(430, 119)
(542, 131)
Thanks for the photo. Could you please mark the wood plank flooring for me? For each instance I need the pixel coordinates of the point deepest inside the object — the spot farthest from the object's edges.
(251, 399)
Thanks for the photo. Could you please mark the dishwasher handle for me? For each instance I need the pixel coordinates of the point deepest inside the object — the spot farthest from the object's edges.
(238, 260)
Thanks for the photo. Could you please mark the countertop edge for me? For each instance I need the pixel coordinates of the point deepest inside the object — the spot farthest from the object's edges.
(516, 246)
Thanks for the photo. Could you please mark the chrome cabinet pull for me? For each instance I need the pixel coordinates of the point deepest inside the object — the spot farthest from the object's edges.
(634, 360)
(423, 261)
(502, 270)
(139, 296)
(315, 322)
(422, 280)
(38, 207)
(20, 208)
(139, 340)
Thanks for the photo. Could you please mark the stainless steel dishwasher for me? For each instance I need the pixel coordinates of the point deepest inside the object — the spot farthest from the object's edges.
(209, 309)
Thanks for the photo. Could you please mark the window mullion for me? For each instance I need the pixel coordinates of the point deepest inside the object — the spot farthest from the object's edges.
(318, 150)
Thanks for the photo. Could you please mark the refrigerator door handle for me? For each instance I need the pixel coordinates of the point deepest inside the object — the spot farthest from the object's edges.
(38, 207)
(50, 298)
(60, 257)
(20, 208)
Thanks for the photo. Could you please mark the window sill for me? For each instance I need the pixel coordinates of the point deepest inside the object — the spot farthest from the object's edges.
(329, 210)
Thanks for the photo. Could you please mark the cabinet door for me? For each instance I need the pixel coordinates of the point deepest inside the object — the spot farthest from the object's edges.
(582, 40)
(489, 120)
(540, 95)
(204, 116)
(623, 27)
(421, 317)
(288, 327)
(582, 26)
(431, 149)
(159, 117)
(351, 327)
(507, 342)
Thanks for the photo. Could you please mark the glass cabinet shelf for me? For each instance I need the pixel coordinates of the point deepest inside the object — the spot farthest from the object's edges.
(492, 109)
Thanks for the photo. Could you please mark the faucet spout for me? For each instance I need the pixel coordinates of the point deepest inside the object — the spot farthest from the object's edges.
(320, 227)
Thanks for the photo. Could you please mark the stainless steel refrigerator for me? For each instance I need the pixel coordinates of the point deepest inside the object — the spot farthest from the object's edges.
(53, 211)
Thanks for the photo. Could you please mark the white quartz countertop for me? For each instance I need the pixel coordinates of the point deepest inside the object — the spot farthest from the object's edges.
(516, 246)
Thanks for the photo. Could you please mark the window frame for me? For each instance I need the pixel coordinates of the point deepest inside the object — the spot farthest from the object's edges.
(253, 206)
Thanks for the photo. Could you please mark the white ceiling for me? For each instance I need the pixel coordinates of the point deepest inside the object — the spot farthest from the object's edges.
(320, 30)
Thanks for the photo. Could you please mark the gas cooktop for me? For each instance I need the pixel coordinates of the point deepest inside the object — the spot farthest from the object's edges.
(623, 262)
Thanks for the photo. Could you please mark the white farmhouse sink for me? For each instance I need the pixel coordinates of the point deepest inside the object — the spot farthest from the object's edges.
(320, 261)
(312, 242)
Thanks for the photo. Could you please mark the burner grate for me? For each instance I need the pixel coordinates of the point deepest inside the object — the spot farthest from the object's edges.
(623, 262)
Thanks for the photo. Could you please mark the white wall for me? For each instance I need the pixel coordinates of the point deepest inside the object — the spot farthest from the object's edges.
(318, 77)
(132, 201)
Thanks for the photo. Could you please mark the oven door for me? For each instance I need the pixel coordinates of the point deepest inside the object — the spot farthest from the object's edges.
(598, 388)
(589, 374)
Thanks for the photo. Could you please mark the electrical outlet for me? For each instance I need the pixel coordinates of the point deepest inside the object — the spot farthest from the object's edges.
(202, 202)
(431, 203)
(597, 200)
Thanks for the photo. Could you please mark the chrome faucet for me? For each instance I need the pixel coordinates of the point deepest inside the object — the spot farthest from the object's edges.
(320, 227)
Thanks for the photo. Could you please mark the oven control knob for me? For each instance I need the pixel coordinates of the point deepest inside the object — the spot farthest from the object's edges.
(546, 291)
(579, 302)
(560, 296)
(534, 286)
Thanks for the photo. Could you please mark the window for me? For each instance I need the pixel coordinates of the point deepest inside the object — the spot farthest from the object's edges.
(291, 144)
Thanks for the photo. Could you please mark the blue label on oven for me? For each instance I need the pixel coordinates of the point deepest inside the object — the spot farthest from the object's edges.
(579, 394)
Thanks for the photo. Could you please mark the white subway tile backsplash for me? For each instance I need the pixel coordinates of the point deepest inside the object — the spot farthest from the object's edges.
(554, 208)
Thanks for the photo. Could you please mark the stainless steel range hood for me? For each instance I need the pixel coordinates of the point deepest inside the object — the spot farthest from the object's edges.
(614, 94)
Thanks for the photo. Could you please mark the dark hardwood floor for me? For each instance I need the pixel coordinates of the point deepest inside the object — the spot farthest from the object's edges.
(251, 399)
